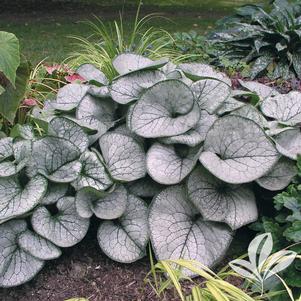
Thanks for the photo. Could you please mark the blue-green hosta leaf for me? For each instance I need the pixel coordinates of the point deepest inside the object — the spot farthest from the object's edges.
(166, 109)
(93, 173)
(285, 108)
(210, 94)
(69, 97)
(279, 176)
(230, 104)
(6, 148)
(169, 164)
(65, 228)
(250, 112)
(16, 200)
(91, 74)
(288, 143)
(16, 265)
(124, 157)
(65, 128)
(105, 206)
(144, 188)
(178, 231)
(236, 150)
(263, 91)
(56, 159)
(38, 246)
(129, 87)
(54, 192)
(197, 134)
(220, 202)
(124, 240)
(196, 71)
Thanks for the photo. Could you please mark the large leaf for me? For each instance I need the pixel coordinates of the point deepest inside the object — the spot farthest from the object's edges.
(90, 73)
(221, 202)
(16, 265)
(230, 104)
(169, 164)
(105, 206)
(236, 150)
(65, 228)
(178, 231)
(6, 148)
(210, 94)
(56, 159)
(93, 173)
(124, 240)
(260, 65)
(144, 188)
(129, 87)
(9, 55)
(285, 108)
(279, 176)
(69, 97)
(54, 192)
(197, 134)
(124, 157)
(166, 109)
(13, 95)
(16, 200)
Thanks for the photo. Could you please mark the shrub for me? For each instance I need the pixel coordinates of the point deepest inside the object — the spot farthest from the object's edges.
(176, 134)
(269, 40)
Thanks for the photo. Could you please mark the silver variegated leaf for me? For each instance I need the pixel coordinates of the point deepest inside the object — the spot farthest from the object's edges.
(104, 205)
(100, 92)
(6, 148)
(230, 104)
(65, 228)
(16, 265)
(93, 173)
(166, 109)
(178, 231)
(124, 157)
(124, 240)
(144, 188)
(91, 74)
(16, 200)
(170, 164)
(54, 192)
(217, 201)
(236, 150)
(279, 176)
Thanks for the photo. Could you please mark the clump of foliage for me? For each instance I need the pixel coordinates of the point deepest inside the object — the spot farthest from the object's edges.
(176, 135)
(269, 40)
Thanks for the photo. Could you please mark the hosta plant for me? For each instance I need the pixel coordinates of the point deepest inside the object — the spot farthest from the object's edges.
(162, 152)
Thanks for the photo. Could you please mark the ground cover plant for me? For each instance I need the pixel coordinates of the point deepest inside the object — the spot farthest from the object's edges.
(163, 153)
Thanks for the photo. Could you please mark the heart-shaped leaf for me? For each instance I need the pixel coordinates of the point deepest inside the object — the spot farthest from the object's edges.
(230, 104)
(124, 240)
(288, 143)
(6, 148)
(105, 206)
(170, 164)
(178, 231)
(144, 188)
(217, 201)
(236, 150)
(124, 157)
(54, 192)
(91, 74)
(16, 200)
(166, 109)
(65, 228)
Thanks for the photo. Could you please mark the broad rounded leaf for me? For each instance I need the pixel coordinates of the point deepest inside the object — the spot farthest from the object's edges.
(38, 246)
(178, 231)
(236, 150)
(101, 92)
(144, 188)
(16, 265)
(197, 134)
(124, 240)
(288, 143)
(166, 109)
(129, 87)
(124, 157)
(16, 200)
(90, 73)
(6, 148)
(210, 94)
(65, 128)
(93, 173)
(170, 164)
(217, 201)
(69, 97)
(56, 159)
(230, 104)
(279, 176)
(64, 229)
(105, 206)
(54, 192)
